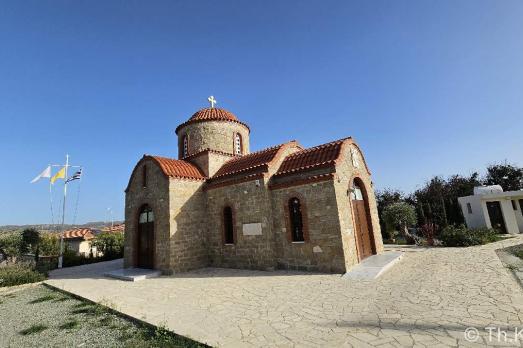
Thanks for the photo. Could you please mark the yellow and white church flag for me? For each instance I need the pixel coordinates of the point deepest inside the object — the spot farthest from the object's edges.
(59, 175)
(45, 174)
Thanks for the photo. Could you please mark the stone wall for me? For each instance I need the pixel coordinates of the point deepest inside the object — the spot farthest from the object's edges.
(346, 171)
(189, 225)
(214, 135)
(250, 205)
(323, 250)
(156, 195)
(209, 162)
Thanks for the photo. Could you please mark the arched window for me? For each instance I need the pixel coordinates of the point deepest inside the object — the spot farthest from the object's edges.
(238, 144)
(146, 215)
(357, 193)
(296, 220)
(228, 226)
(185, 146)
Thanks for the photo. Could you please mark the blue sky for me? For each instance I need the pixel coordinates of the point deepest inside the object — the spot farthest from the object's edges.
(425, 87)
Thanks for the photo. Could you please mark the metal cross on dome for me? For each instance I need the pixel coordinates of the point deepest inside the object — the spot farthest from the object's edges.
(212, 101)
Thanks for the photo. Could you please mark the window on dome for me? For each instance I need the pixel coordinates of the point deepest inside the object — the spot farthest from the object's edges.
(185, 146)
(238, 144)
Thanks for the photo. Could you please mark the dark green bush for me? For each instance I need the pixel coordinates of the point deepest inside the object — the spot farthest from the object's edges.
(110, 245)
(72, 259)
(461, 236)
(17, 274)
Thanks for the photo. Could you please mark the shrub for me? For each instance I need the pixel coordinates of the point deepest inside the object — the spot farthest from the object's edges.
(30, 240)
(110, 245)
(428, 231)
(10, 245)
(49, 245)
(17, 274)
(72, 259)
(398, 217)
(461, 236)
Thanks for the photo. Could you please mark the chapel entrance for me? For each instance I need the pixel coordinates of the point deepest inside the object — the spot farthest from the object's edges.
(145, 238)
(363, 225)
(496, 216)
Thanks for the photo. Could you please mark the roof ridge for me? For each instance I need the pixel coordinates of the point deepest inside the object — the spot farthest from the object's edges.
(273, 147)
(312, 157)
(316, 147)
(228, 168)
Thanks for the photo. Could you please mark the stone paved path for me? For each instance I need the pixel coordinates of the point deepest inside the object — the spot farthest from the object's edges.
(427, 299)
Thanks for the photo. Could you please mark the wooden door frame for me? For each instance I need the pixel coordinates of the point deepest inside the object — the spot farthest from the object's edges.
(136, 243)
(366, 204)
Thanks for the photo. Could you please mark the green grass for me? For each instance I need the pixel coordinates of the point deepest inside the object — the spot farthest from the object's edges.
(70, 325)
(518, 253)
(43, 299)
(33, 329)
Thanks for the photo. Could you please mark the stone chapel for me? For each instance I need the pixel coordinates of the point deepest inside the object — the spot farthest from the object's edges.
(221, 205)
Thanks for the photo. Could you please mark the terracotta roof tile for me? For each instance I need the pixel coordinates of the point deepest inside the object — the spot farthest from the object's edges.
(255, 160)
(177, 168)
(316, 156)
(83, 233)
(116, 228)
(212, 114)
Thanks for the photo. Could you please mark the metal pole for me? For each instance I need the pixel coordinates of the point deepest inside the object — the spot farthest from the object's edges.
(60, 258)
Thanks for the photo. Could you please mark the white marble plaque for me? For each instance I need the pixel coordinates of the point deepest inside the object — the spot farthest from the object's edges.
(254, 229)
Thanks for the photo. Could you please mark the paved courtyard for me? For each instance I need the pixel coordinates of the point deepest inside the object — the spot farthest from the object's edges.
(427, 299)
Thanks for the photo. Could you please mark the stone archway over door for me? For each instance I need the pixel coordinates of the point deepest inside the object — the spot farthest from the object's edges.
(363, 225)
(145, 239)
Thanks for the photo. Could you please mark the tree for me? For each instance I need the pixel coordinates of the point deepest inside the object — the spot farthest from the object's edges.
(49, 245)
(385, 198)
(437, 201)
(508, 176)
(10, 245)
(109, 244)
(30, 239)
(399, 216)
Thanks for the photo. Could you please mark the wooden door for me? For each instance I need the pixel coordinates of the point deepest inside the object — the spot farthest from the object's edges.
(145, 239)
(496, 216)
(362, 228)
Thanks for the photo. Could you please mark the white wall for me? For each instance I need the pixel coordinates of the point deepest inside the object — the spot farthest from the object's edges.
(478, 218)
(509, 216)
(519, 216)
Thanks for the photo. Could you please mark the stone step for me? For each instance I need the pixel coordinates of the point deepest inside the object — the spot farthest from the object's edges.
(374, 266)
(133, 274)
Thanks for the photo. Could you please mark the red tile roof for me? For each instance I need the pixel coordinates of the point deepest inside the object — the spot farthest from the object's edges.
(81, 233)
(212, 114)
(177, 168)
(259, 160)
(317, 156)
(115, 229)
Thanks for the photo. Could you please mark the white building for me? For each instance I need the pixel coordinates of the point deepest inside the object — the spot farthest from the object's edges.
(491, 207)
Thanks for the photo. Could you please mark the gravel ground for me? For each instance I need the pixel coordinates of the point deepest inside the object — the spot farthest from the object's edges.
(41, 317)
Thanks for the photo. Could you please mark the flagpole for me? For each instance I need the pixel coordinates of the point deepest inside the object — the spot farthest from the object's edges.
(60, 258)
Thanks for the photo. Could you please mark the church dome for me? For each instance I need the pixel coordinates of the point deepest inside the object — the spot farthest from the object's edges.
(212, 114)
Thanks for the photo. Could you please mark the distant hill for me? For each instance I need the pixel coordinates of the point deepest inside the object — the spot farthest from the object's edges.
(49, 227)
